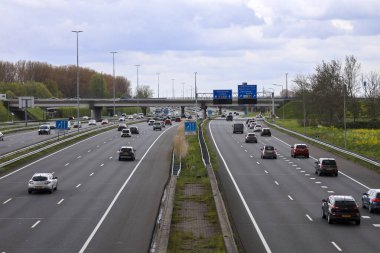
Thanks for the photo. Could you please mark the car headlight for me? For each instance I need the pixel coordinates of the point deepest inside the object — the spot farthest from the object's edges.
(31, 182)
(47, 182)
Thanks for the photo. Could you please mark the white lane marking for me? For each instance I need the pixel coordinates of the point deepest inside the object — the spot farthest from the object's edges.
(91, 174)
(376, 225)
(290, 162)
(302, 171)
(324, 187)
(336, 246)
(78, 186)
(266, 171)
(298, 168)
(251, 156)
(366, 217)
(286, 160)
(89, 151)
(79, 157)
(241, 197)
(312, 178)
(105, 142)
(276, 183)
(290, 197)
(110, 157)
(97, 146)
(85, 245)
(60, 201)
(101, 165)
(67, 164)
(330, 191)
(258, 162)
(294, 165)
(318, 182)
(309, 217)
(7, 201)
(35, 224)
(307, 174)
(241, 146)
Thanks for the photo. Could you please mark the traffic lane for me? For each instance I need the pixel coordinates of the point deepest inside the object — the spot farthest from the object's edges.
(130, 223)
(80, 206)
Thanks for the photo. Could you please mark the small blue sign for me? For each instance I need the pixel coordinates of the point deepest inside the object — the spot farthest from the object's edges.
(190, 127)
(247, 94)
(61, 124)
(222, 97)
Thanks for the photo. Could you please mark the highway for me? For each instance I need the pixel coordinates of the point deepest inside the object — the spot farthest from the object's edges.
(275, 205)
(101, 205)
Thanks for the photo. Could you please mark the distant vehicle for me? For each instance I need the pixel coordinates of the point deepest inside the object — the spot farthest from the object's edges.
(250, 137)
(229, 118)
(326, 166)
(266, 132)
(340, 208)
(259, 118)
(43, 182)
(122, 119)
(162, 124)
(223, 115)
(238, 128)
(126, 133)
(252, 125)
(151, 122)
(85, 117)
(1, 136)
(299, 150)
(77, 124)
(124, 115)
(157, 125)
(371, 200)
(257, 128)
(134, 129)
(130, 117)
(268, 151)
(168, 122)
(51, 124)
(177, 119)
(71, 118)
(121, 126)
(104, 122)
(127, 153)
(44, 129)
(92, 122)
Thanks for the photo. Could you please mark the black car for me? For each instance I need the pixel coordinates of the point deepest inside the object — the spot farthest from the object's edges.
(127, 153)
(229, 118)
(266, 132)
(250, 137)
(340, 208)
(326, 166)
(121, 127)
(134, 129)
(371, 200)
(238, 128)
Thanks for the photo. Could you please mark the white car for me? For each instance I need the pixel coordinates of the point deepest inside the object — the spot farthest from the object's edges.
(85, 117)
(43, 182)
(258, 128)
(126, 133)
(1, 136)
(122, 119)
(130, 117)
(92, 122)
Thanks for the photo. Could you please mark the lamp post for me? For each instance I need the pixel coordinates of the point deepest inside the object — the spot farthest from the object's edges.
(195, 91)
(286, 82)
(272, 103)
(344, 113)
(283, 100)
(77, 32)
(183, 90)
(113, 81)
(158, 85)
(137, 83)
(173, 87)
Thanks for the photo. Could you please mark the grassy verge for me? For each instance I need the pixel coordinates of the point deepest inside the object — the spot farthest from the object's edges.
(194, 172)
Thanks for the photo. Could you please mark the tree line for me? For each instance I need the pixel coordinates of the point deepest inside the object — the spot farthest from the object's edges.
(42, 80)
(323, 95)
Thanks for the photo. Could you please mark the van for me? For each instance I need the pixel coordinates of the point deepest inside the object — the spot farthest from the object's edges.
(238, 128)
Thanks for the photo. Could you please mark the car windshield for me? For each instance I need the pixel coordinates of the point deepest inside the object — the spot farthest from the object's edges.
(44, 127)
(39, 178)
(258, 125)
(328, 162)
(344, 203)
(301, 146)
(251, 135)
(269, 148)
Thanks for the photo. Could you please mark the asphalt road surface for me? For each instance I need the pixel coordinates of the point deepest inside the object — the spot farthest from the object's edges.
(275, 204)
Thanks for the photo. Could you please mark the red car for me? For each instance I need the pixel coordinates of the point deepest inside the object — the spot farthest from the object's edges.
(178, 119)
(299, 150)
(168, 122)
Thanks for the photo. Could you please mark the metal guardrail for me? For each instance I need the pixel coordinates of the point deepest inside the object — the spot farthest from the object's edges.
(344, 151)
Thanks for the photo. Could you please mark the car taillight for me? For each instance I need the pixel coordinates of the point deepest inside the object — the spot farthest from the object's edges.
(334, 208)
(376, 200)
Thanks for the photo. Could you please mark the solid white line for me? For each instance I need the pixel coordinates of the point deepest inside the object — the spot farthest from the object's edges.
(241, 197)
(309, 217)
(276, 183)
(78, 186)
(85, 245)
(290, 197)
(336, 246)
(60, 201)
(35, 224)
(91, 174)
(7, 201)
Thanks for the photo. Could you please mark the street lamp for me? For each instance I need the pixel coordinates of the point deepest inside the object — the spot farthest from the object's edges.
(158, 85)
(77, 32)
(183, 90)
(173, 87)
(283, 100)
(113, 81)
(344, 112)
(137, 85)
(272, 103)
(195, 91)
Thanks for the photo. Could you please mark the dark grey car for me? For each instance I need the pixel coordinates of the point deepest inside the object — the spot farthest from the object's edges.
(268, 152)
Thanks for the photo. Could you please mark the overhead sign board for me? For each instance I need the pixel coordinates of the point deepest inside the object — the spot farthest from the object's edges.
(62, 124)
(222, 97)
(247, 94)
(25, 102)
(190, 127)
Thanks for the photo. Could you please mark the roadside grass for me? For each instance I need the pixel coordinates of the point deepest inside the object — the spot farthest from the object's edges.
(194, 172)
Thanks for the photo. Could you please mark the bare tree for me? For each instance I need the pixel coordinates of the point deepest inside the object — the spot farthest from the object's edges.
(350, 80)
(372, 94)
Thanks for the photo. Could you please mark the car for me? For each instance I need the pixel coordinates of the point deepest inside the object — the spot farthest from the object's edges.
(299, 150)
(127, 153)
(177, 119)
(121, 126)
(268, 151)
(229, 118)
(223, 115)
(168, 122)
(77, 124)
(51, 124)
(104, 122)
(92, 122)
(126, 133)
(238, 128)
(85, 117)
(266, 132)
(257, 128)
(250, 137)
(43, 182)
(252, 125)
(130, 117)
(326, 166)
(1, 136)
(151, 122)
(162, 124)
(371, 200)
(134, 129)
(122, 119)
(340, 208)
(157, 125)
(44, 129)
(259, 118)
(71, 118)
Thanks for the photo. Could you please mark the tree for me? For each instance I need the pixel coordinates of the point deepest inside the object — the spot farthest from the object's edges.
(350, 79)
(372, 94)
(98, 86)
(144, 91)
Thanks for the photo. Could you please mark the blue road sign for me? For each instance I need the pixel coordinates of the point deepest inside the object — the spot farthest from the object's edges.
(61, 124)
(247, 94)
(222, 97)
(190, 127)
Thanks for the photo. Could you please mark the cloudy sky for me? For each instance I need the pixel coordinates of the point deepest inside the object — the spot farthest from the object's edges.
(226, 42)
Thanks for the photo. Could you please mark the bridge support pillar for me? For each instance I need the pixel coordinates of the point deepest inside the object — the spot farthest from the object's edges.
(96, 113)
(143, 109)
(220, 110)
(182, 110)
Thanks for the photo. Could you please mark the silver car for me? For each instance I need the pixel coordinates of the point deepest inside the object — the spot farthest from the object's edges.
(268, 152)
(43, 182)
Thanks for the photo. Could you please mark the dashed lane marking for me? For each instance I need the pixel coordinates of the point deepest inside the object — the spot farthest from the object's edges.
(60, 201)
(35, 224)
(7, 201)
(336, 246)
(309, 217)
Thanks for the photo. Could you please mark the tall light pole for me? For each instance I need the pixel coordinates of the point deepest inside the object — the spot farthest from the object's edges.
(137, 84)
(158, 85)
(195, 91)
(286, 82)
(113, 81)
(344, 113)
(173, 87)
(283, 100)
(77, 32)
(272, 103)
(183, 90)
